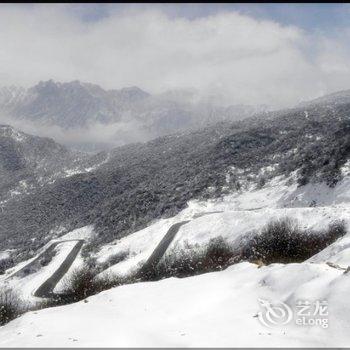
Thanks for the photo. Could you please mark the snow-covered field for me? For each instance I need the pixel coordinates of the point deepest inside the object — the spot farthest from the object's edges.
(211, 310)
(215, 309)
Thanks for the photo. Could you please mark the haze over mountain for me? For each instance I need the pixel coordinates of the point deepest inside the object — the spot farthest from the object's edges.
(174, 175)
(28, 161)
(128, 187)
(88, 117)
(61, 210)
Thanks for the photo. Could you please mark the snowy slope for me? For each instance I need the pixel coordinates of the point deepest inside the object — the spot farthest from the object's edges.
(216, 310)
(27, 284)
(235, 216)
(138, 247)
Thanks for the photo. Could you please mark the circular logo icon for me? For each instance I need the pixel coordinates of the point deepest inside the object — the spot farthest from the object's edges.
(274, 314)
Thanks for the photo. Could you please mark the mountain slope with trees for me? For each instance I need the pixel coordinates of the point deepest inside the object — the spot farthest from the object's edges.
(139, 183)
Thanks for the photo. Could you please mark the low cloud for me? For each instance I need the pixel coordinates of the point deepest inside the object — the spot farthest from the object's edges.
(235, 56)
(90, 138)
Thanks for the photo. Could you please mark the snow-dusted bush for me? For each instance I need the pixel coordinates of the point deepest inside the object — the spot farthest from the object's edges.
(115, 259)
(11, 305)
(280, 241)
(216, 255)
(84, 282)
(80, 284)
(5, 264)
(283, 241)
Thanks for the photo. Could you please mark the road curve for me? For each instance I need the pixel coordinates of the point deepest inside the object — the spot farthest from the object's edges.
(163, 245)
(161, 248)
(46, 289)
(23, 271)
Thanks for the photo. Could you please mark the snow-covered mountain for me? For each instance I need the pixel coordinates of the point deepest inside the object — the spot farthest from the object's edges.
(167, 313)
(130, 186)
(226, 181)
(29, 162)
(109, 117)
(67, 105)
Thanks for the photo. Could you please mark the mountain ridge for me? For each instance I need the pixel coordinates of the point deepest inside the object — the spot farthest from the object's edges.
(112, 117)
(125, 189)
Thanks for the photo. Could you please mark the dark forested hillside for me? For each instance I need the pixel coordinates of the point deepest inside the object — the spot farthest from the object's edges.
(141, 182)
(28, 161)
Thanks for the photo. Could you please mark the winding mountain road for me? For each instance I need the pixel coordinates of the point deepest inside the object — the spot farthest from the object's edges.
(163, 245)
(25, 270)
(46, 289)
(161, 248)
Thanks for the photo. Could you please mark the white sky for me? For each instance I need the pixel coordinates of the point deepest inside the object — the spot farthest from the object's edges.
(244, 59)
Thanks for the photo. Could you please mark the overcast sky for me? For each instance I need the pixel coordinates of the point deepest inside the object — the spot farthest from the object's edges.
(248, 53)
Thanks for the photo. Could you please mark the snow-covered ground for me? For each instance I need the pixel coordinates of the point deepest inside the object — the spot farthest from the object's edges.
(234, 216)
(216, 309)
(85, 232)
(211, 310)
(4, 254)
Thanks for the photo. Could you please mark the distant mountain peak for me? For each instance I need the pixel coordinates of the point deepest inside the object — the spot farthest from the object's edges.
(9, 131)
(132, 92)
(72, 104)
